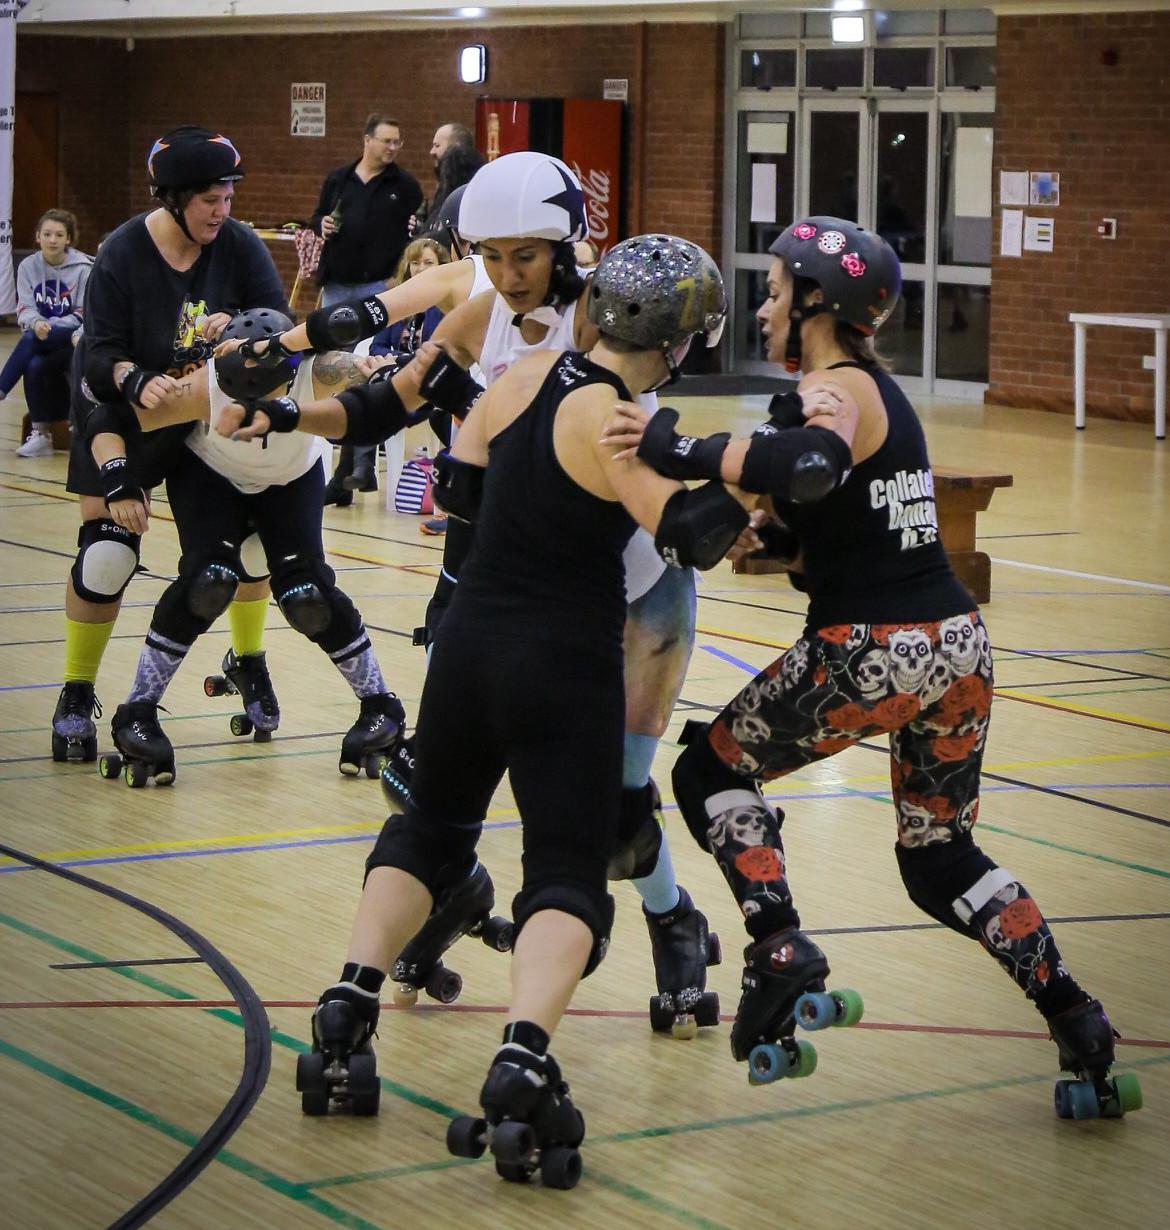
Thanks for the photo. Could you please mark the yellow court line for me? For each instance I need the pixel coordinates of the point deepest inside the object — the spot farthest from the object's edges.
(1054, 702)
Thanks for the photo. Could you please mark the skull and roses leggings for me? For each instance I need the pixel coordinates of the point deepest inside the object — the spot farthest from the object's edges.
(929, 687)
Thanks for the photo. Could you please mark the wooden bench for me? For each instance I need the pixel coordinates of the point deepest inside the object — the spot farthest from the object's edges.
(959, 496)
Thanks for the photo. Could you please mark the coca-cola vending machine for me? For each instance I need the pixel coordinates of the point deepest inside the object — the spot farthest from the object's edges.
(584, 133)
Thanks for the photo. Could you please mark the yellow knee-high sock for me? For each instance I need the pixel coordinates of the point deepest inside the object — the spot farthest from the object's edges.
(84, 646)
(247, 623)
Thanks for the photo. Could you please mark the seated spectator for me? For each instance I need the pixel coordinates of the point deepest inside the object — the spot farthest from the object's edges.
(405, 336)
(50, 285)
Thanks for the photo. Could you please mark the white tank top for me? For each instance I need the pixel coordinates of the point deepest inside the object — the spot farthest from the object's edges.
(252, 465)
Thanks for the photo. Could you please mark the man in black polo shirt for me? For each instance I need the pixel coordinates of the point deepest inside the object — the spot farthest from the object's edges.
(363, 215)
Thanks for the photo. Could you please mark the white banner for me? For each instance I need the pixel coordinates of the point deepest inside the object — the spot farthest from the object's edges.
(8, 11)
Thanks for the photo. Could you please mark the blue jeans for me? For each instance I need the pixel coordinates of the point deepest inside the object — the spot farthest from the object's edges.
(342, 292)
(44, 367)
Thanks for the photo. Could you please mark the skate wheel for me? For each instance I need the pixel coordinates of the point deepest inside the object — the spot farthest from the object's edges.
(365, 1090)
(513, 1142)
(137, 775)
(662, 1013)
(1083, 1100)
(241, 725)
(89, 749)
(1061, 1100)
(311, 1083)
(214, 685)
(262, 736)
(707, 1009)
(61, 747)
(560, 1167)
(110, 766)
(1127, 1089)
(466, 1136)
(444, 984)
(850, 1008)
(684, 1028)
(714, 950)
(348, 769)
(373, 767)
(770, 1061)
(405, 996)
(164, 775)
(498, 933)
(816, 1010)
(514, 1172)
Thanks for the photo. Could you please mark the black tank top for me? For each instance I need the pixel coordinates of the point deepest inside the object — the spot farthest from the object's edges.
(871, 548)
(547, 556)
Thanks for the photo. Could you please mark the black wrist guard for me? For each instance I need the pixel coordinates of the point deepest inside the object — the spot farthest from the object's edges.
(784, 410)
(682, 457)
(340, 326)
(274, 354)
(118, 483)
(450, 387)
(136, 379)
(799, 465)
(283, 414)
(373, 413)
(780, 543)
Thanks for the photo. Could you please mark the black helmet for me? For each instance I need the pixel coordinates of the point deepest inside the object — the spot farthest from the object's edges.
(241, 379)
(446, 223)
(855, 268)
(656, 292)
(189, 157)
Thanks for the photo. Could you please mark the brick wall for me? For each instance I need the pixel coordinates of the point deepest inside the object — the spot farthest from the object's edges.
(114, 103)
(1106, 129)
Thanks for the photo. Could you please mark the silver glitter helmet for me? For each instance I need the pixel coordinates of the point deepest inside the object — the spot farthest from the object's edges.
(656, 292)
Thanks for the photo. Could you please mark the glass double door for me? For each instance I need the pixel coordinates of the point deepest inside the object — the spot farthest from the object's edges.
(920, 175)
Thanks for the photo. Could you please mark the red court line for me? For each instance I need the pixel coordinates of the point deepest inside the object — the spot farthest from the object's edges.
(965, 1031)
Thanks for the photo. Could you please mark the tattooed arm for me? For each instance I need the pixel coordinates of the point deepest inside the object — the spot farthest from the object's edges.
(334, 371)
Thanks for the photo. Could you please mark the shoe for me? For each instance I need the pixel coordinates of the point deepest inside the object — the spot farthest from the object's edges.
(363, 478)
(38, 444)
(335, 493)
(434, 526)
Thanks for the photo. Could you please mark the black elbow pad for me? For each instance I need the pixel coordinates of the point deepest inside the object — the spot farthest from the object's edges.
(450, 387)
(114, 417)
(458, 486)
(373, 413)
(342, 325)
(799, 466)
(699, 526)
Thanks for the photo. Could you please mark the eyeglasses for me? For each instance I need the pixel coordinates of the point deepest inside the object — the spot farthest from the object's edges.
(392, 142)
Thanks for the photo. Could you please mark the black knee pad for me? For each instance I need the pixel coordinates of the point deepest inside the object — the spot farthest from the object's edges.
(639, 834)
(307, 594)
(306, 608)
(107, 557)
(938, 875)
(593, 908)
(412, 843)
(211, 588)
(699, 775)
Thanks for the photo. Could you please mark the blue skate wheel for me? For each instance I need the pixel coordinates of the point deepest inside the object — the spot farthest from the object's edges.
(560, 1167)
(816, 1010)
(1083, 1101)
(466, 1136)
(1061, 1100)
(513, 1142)
(767, 1062)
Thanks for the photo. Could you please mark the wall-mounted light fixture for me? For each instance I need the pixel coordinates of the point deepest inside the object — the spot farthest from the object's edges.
(848, 27)
(473, 64)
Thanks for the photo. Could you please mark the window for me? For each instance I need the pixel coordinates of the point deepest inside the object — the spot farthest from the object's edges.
(764, 70)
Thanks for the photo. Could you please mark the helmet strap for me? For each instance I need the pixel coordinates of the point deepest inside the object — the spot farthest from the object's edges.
(797, 315)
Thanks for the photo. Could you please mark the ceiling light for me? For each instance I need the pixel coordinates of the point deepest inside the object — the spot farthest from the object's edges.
(848, 29)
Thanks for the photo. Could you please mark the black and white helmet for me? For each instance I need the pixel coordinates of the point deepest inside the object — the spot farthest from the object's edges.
(525, 195)
(242, 379)
(656, 292)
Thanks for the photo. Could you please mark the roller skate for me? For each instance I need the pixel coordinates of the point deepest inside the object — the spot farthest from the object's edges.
(74, 730)
(529, 1121)
(463, 910)
(247, 676)
(784, 986)
(683, 949)
(372, 737)
(141, 745)
(1084, 1038)
(341, 1070)
(397, 770)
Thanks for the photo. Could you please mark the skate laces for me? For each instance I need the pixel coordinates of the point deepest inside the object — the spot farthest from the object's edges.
(539, 1069)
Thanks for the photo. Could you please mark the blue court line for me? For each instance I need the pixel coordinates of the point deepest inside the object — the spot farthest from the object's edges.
(24, 687)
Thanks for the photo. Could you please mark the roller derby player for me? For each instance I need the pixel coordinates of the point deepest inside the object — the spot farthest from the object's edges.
(541, 594)
(225, 494)
(524, 212)
(162, 289)
(893, 645)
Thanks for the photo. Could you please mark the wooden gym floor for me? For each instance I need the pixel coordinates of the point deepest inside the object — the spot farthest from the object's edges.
(120, 1046)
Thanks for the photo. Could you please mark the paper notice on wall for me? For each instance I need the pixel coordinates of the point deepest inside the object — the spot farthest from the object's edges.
(1044, 188)
(1013, 187)
(767, 138)
(307, 117)
(763, 192)
(973, 172)
(1011, 232)
(1038, 234)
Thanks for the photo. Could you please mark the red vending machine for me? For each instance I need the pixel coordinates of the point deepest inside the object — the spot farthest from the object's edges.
(584, 133)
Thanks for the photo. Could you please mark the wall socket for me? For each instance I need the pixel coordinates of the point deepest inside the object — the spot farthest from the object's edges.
(1149, 362)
